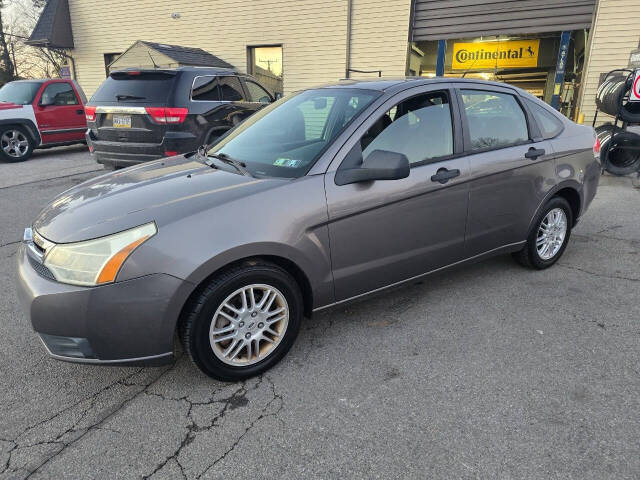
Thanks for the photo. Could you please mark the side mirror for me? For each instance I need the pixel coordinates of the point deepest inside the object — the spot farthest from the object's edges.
(379, 165)
(46, 104)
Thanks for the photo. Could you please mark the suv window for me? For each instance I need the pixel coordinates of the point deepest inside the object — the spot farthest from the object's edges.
(419, 127)
(549, 124)
(495, 119)
(58, 94)
(257, 93)
(205, 89)
(135, 87)
(230, 89)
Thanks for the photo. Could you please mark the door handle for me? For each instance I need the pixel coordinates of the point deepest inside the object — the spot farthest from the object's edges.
(80, 111)
(443, 175)
(534, 153)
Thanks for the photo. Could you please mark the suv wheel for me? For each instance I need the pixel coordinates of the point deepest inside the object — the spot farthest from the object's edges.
(15, 144)
(549, 236)
(243, 322)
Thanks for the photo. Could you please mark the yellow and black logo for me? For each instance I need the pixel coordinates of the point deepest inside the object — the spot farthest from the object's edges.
(507, 54)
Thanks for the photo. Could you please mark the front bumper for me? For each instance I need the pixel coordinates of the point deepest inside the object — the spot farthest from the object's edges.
(125, 323)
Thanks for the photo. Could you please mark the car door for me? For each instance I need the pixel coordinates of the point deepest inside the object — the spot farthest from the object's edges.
(231, 91)
(387, 231)
(256, 94)
(59, 114)
(508, 165)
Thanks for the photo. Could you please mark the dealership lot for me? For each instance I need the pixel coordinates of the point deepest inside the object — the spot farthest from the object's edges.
(490, 371)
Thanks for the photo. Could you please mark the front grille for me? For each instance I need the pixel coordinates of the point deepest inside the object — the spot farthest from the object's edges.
(40, 268)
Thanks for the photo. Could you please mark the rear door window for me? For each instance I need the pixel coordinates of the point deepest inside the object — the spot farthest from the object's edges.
(495, 119)
(230, 89)
(549, 124)
(138, 87)
(205, 89)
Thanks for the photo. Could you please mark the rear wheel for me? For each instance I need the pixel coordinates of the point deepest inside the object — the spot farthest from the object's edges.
(243, 322)
(549, 236)
(15, 144)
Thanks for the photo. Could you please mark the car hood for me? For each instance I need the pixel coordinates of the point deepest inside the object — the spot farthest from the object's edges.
(161, 191)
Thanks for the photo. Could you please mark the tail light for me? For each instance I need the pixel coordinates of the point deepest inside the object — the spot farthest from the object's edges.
(90, 113)
(167, 114)
(596, 148)
(170, 153)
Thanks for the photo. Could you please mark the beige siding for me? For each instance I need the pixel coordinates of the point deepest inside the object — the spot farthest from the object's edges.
(379, 36)
(615, 34)
(312, 33)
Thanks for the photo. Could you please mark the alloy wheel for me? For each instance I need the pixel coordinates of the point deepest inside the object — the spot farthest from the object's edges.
(249, 324)
(14, 143)
(551, 233)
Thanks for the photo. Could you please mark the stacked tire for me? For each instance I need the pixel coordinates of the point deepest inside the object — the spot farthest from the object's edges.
(612, 98)
(619, 148)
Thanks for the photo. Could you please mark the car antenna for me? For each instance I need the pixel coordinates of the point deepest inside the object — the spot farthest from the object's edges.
(155, 65)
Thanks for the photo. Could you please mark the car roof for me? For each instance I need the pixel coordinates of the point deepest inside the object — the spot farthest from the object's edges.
(401, 83)
(191, 69)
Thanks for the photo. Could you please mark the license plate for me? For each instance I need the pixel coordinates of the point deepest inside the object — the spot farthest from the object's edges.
(122, 121)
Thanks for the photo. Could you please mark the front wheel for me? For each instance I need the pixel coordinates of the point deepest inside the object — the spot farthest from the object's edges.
(15, 144)
(549, 236)
(243, 322)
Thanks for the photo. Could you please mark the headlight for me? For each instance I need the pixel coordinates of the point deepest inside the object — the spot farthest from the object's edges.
(98, 261)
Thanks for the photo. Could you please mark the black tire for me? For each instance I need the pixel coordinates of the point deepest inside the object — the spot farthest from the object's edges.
(194, 327)
(620, 154)
(529, 256)
(17, 131)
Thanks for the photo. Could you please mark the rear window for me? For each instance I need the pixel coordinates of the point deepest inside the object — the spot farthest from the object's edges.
(20, 93)
(145, 87)
(549, 124)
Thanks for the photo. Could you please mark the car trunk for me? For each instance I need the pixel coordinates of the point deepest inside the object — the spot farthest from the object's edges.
(124, 104)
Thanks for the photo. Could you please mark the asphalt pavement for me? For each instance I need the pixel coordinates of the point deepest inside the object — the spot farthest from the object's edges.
(489, 371)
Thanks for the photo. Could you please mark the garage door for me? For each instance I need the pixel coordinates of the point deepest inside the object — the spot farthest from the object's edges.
(443, 19)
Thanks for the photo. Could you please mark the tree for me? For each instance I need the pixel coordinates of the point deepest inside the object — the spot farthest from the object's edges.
(7, 67)
(17, 59)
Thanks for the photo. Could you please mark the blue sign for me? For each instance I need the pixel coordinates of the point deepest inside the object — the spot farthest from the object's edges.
(561, 65)
(65, 72)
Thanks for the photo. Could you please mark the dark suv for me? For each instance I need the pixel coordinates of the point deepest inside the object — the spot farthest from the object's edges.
(141, 115)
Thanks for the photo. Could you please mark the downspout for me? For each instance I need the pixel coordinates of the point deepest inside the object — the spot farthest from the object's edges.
(348, 48)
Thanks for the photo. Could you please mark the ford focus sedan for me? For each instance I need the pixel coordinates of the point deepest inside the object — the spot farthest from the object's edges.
(322, 197)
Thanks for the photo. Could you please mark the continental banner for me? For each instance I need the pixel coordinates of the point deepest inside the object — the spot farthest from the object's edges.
(507, 54)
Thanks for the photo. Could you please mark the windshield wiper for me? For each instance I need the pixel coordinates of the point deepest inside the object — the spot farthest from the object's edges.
(223, 157)
(129, 97)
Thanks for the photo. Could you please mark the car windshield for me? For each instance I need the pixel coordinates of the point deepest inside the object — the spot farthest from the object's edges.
(286, 138)
(20, 93)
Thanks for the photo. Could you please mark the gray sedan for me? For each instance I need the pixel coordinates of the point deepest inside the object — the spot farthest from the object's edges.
(325, 196)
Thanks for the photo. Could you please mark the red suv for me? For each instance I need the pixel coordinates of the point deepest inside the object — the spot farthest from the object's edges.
(40, 113)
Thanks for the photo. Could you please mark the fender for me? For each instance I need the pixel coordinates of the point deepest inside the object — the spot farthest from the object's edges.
(569, 183)
(320, 279)
(26, 123)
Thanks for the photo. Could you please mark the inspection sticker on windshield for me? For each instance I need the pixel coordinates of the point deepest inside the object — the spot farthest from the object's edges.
(287, 162)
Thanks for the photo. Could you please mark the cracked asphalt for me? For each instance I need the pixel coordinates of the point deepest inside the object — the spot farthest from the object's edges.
(488, 371)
